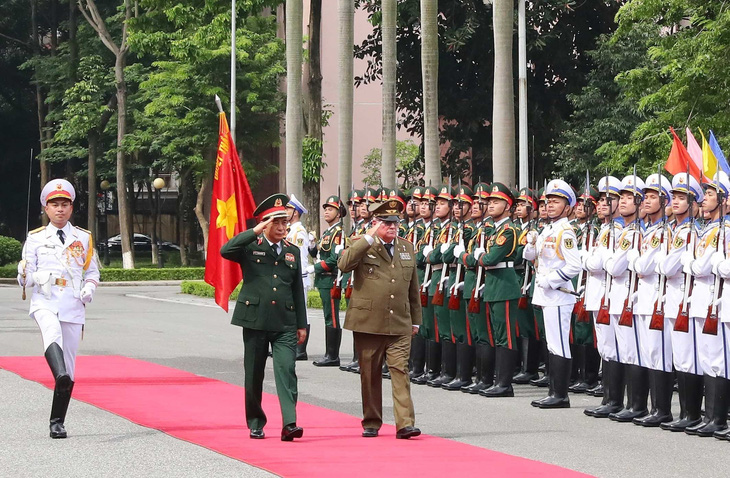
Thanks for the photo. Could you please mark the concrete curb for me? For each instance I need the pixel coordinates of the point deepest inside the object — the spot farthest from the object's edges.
(14, 282)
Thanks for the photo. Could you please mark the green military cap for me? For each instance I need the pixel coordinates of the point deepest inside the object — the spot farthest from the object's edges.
(541, 195)
(515, 192)
(446, 192)
(398, 195)
(591, 195)
(383, 194)
(528, 195)
(481, 191)
(333, 201)
(430, 194)
(417, 192)
(389, 210)
(355, 196)
(465, 194)
(272, 206)
(371, 194)
(500, 191)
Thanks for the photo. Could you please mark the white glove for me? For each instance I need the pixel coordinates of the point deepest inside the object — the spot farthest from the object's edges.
(338, 249)
(427, 250)
(532, 237)
(87, 293)
(311, 238)
(425, 285)
(310, 269)
(444, 248)
(687, 267)
(632, 256)
(716, 259)
(459, 286)
(660, 256)
(542, 282)
(686, 258)
(477, 253)
(459, 250)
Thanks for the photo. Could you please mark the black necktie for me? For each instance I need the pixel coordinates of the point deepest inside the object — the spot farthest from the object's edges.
(389, 248)
(275, 247)
(61, 236)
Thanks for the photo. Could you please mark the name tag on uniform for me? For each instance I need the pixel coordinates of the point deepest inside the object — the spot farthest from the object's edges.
(259, 253)
(405, 256)
(371, 256)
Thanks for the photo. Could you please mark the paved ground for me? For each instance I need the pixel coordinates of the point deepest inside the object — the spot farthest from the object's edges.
(159, 325)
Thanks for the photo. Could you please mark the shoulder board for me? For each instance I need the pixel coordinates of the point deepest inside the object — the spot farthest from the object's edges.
(338, 228)
(82, 229)
(37, 230)
(286, 243)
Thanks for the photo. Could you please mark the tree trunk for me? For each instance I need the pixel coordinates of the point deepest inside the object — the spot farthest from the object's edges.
(314, 114)
(73, 45)
(346, 14)
(294, 97)
(153, 205)
(429, 72)
(91, 184)
(503, 117)
(390, 61)
(203, 192)
(124, 210)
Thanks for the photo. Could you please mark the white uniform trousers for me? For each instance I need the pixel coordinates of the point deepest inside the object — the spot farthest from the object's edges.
(557, 329)
(684, 346)
(627, 341)
(605, 340)
(65, 334)
(655, 346)
(713, 351)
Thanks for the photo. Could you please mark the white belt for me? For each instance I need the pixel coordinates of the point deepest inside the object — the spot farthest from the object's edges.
(437, 267)
(501, 265)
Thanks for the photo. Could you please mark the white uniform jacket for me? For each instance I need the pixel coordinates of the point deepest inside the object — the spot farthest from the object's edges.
(654, 245)
(299, 236)
(593, 264)
(557, 258)
(65, 267)
(708, 242)
(671, 266)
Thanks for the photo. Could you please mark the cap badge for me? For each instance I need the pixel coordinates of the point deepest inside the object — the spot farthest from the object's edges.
(277, 203)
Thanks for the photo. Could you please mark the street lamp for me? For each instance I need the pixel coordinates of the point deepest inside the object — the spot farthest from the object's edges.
(105, 185)
(158, 184)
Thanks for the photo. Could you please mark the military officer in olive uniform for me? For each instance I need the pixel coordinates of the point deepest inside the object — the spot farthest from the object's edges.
(271, 309)
(384, 312)
(328, 278)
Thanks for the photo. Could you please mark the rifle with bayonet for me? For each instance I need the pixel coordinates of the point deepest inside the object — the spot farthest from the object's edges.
(710, 327)
(474, 302)
(438, 296)
(348, 287)
(455, 293)
(603, 317)
(523, 301)
(657, 317)
(682, 322)
(336, 291)
(627, 313)
(427, 274)
(579, 309)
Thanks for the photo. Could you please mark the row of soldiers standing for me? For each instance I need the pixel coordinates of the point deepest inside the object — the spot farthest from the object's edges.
(577, 280)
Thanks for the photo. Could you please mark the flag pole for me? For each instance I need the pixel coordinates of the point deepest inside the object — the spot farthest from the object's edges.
(233, 70)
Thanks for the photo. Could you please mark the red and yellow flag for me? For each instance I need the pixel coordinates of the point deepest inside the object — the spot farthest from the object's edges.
(232, 205)
(679, 158)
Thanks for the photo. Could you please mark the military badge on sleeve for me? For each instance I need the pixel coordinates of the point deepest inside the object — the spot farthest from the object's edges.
(625, 244)
(568, 243)
(501, 240)
(654, 242)
(678, 242)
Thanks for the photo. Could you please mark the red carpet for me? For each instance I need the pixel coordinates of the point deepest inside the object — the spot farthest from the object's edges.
(210, 413)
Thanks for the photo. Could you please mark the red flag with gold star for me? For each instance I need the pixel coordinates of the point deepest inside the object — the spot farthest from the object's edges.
(232, 205)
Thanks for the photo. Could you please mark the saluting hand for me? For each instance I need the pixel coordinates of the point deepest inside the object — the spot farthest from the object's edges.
(373, 231)
(259, 228)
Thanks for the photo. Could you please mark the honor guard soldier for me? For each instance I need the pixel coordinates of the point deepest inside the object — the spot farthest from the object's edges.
(60, 264)
(297, 234)
(398, 195)
(686, 191)
(501, 287)
(530, 335)
(326, 277)
(480, 328)
(353, 204)
(557, 262)
(271, 309)
(414, 233)
(622, 296)
(710, 345)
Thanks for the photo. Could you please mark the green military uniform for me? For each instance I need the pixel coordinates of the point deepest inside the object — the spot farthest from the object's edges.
(413, 233)
(270, 308)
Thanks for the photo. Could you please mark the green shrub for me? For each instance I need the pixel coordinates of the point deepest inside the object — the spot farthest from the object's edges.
(110, 274)
(10, 250)
(202, 289)
(8, 271)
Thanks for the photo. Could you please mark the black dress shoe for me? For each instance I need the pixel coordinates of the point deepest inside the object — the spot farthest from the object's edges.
(327, 362)
(370, 432)
(256, 433)
(541, 382)
(301, 357)
(291, 431)
(57, 429)
(407, 432)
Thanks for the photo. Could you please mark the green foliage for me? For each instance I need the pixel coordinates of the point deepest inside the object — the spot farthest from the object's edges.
(408, 164)
(312, 159)
(10, 250)
(8, 271)
(125, 275)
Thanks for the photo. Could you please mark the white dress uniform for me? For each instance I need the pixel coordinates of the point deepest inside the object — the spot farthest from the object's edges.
(299, 236)
(723, 329)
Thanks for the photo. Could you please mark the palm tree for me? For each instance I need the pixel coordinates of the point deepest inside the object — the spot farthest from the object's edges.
(503, 116)
(429, 72)
(294, 12)
(346, 13)
(390, 14)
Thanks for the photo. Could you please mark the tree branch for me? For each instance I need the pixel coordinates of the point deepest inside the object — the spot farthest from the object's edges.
(97, 23)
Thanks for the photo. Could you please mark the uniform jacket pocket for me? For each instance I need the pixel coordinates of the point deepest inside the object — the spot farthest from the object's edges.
(362, 304)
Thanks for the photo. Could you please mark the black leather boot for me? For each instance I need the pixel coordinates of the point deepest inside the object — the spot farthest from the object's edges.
(528, 369)
(690, 393)
(353, 366)
(385, 372)
(61, 399)
(433, 363)
(418, 357)
(709, 392)
(614, 381)
(506, 360)
(551, 387)
(661, 386)
(464, 367)
(54, 357)
(331, 358)
(638, 395)
(718, 419)
(545, 380)
(588, 369)
(448, 364)
(605, 385)
(560, 371)
(599, 390)
(478, 384)
(302, 348)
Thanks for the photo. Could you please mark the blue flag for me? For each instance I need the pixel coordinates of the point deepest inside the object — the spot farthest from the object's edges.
(721, 161)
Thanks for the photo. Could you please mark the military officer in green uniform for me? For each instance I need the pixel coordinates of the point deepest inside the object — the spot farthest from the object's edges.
(327, 279)
(271, 309)
(501, 288)
(414, 233)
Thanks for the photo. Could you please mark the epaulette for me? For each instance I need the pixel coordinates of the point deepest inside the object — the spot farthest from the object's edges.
(286, 243)
(37, 230)
(338, 228)
(82, 229)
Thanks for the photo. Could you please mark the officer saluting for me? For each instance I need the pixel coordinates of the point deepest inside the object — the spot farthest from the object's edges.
(271, 309)
(59, 262)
